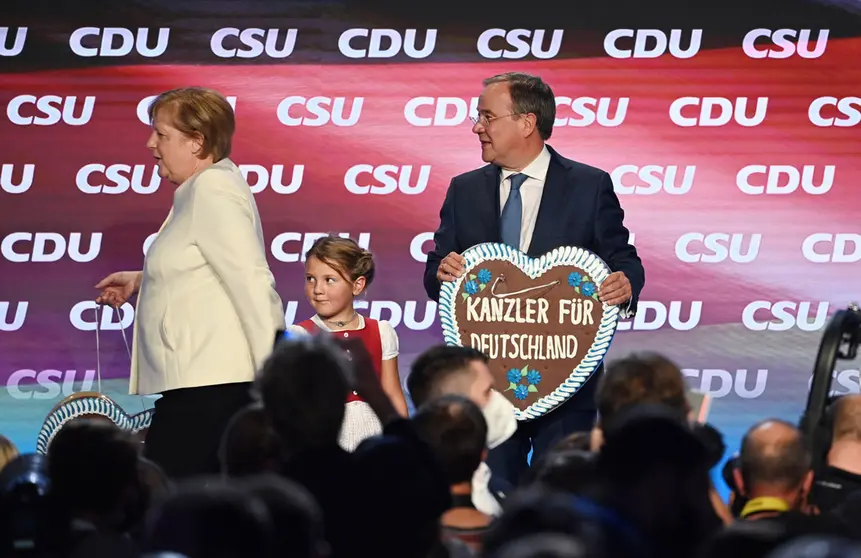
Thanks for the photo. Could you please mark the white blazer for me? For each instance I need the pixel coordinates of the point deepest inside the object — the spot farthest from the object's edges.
(207, 310)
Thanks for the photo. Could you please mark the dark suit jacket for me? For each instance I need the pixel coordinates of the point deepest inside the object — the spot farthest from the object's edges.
(578, 208)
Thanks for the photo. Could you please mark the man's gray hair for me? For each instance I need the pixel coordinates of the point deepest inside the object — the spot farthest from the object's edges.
(529, 94)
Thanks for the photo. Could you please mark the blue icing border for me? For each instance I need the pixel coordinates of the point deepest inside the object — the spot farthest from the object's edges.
(82, 406)
(589, 262)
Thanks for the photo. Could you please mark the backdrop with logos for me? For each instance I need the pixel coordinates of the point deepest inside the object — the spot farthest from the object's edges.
(731, 134)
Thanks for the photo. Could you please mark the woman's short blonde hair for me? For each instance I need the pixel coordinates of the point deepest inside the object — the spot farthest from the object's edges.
(199, 112)
(8, 451)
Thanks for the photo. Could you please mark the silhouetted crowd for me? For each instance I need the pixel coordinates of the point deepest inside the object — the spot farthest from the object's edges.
(639, 485)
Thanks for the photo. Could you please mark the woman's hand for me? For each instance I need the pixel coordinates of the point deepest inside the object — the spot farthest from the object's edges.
(118, 287)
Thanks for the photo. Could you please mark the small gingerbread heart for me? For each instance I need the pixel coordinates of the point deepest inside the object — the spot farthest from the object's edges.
(91, 405)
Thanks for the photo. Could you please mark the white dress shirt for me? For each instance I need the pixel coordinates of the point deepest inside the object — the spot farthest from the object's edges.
(207, 310)
(530, 194)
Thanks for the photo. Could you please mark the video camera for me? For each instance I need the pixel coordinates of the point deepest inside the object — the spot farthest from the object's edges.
(24, 487)
(840, 341)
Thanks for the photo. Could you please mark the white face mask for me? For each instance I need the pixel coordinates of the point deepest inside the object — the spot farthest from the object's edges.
(499, 415)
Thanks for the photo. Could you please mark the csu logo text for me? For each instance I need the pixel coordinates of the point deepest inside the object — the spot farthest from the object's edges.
(117, 41)
(784, 179)
(48, 110)
(20, 247)
(388, 178)
(849, 380)
(17, 43)
(653, 179)
(782, 39)
(48, 384)
(384, 43)
(322, 109)
(517, 44)
(589, 110)
(717, 247)
(727, 111)
(651, 43)
(848, 109)
(95, 178)
(231, 42)
(761, 315)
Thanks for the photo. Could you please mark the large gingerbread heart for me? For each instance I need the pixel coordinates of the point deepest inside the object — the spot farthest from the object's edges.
(538, 319)
(91, 405)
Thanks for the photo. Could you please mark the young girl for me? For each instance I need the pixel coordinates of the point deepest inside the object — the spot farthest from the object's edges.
(337, 270)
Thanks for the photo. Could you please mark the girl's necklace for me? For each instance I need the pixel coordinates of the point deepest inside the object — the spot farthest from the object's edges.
(343, 323)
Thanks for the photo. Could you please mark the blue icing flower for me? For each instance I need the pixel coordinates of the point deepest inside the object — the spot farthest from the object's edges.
(514, 376)
(521, 392)
(588, 289)
(471, 287)
(574, 279)
(484, 276)
(533, 377)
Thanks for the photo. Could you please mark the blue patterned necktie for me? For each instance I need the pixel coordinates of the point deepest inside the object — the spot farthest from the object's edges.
(512, 213)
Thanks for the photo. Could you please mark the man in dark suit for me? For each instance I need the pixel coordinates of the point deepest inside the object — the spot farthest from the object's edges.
(532, 198)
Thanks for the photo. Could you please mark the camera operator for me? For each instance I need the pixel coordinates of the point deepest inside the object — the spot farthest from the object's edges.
(842, 474)
(774, 474)
(774, 470)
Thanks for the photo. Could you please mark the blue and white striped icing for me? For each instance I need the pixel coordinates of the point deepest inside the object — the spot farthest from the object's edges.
(83, 406)
(589, 262)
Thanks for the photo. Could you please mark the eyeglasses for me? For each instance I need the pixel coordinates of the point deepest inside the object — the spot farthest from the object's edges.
(484, 120)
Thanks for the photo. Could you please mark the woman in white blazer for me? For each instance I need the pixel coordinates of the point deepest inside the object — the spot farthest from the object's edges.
(207, 308)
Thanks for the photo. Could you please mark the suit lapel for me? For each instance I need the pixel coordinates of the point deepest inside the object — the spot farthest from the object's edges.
(490, 204)
(551, 210)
